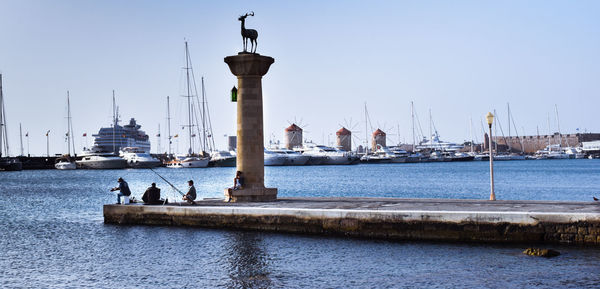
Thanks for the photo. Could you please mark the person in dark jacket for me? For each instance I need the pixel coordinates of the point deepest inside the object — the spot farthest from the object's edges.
(191, 194)
(123, 189)
(152, 195)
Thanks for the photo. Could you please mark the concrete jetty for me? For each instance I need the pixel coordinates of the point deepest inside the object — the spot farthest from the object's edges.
(384, 218)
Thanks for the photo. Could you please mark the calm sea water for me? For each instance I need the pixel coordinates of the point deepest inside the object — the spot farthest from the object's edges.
(53, 233)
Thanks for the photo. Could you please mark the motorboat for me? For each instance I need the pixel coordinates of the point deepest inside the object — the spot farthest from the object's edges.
(99, 160)
(447, 156)
(508, 157)
(222, 159)
(274, 159)
(189, 161)
(329, 155)
(138, 158)
(65, 163)
(292, 158)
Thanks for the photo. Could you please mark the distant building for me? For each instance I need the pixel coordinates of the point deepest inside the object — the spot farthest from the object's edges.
(231, 142)
(378, 139)
(292, 136)
(344, 139)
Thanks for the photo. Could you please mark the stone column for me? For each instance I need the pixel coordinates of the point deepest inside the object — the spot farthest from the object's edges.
(249, 69)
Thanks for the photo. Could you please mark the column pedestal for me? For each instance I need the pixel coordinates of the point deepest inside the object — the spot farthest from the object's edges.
(249, 69)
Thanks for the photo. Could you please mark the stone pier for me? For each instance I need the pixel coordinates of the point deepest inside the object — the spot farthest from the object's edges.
(384, 218)
(249, 69)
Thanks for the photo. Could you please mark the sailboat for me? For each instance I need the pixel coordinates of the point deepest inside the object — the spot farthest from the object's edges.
(191, 159)
(65, 162)
(6, 163)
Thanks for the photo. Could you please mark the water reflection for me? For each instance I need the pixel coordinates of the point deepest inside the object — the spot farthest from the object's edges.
(247, 260)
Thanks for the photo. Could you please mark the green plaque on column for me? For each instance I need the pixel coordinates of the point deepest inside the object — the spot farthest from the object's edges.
(234, 94)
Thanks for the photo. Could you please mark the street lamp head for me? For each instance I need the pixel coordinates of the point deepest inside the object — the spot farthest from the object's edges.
(490, 118)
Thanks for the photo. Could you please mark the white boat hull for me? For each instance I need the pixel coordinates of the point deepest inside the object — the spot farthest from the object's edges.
(105, 163)
(143, 164)
(65, 165)
(274, 160)
(295, 160)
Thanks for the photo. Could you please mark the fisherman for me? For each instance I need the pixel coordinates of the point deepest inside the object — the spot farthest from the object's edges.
(123, 189)
(152, 195)
(238, 181)
(191, 194)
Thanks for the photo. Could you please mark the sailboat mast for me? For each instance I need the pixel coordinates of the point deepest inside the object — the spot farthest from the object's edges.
(189, 96)
(21, 136)
(412, 115)
(366, 131)
(114, 119)
(71, 135)
(495, 132)
(169, 124)
(508, 108)
(204, 138)
(2, 128)
(68, 125)
(158, 141)
(471, 131)
(558, 126)
(549, 130)
(430, 128)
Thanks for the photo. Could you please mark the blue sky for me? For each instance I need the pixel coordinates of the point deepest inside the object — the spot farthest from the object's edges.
(458, 58)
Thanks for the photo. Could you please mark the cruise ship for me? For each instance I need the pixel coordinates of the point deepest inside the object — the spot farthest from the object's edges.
(110, 139)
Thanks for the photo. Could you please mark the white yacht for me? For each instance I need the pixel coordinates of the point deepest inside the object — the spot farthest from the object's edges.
(435, 144)
(222, 159)
(574, 153)
(292, 158)
(553, 152)
(138, 158)
(98, 160)
(274, 159)
(329, 155)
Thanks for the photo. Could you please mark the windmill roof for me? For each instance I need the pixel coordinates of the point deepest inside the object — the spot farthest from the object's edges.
(343, 131)
(379, 132)
(293, 127)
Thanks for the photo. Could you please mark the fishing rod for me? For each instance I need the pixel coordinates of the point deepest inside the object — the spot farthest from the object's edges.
(167, 182)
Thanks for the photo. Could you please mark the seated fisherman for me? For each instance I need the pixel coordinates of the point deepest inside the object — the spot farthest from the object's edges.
(191, 194)
(238, 181)
(152, 195)
(123, 189)
(238, 184)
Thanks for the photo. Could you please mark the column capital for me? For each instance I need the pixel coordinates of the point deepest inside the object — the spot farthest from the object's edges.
(249, 64)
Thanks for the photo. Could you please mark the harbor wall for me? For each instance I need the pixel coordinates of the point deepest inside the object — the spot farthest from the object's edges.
(531, 144)
(464, 226)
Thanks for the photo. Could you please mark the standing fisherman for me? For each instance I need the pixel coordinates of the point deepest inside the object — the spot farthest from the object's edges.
(123, 189)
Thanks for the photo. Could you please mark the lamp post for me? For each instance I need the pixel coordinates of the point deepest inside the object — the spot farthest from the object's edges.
(490, 119)
(48, 143)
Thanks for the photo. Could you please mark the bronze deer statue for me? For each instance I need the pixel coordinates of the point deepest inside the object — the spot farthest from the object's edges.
(249, 34)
